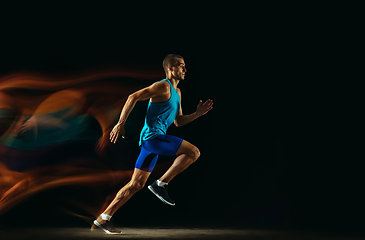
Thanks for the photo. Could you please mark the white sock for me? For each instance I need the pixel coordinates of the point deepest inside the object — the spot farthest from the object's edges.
(105, 217)
(161, 184)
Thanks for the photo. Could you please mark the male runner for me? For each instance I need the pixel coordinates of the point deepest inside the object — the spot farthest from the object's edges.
(164, 108)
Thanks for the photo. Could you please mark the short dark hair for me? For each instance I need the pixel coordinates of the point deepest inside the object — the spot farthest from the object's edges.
(170, 60)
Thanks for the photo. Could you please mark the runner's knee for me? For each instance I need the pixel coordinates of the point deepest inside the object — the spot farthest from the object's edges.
(135, 186)
(194, 153)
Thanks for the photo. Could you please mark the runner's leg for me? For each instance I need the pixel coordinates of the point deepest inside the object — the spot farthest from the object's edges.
(187, 154)
(137, 182)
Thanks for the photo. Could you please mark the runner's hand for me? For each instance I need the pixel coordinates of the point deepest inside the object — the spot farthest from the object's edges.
(117, 131)
(203, 108)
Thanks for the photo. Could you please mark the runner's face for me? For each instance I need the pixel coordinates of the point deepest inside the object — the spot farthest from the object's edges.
(179, 70)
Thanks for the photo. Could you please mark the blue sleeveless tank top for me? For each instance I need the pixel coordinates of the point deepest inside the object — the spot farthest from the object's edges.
(160, 116)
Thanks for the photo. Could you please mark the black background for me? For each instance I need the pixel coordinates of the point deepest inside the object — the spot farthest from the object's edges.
(279, 149)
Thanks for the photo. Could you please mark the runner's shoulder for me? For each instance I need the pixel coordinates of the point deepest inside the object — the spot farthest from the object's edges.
(161, 86)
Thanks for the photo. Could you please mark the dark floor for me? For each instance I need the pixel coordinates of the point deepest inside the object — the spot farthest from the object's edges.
(166, 233)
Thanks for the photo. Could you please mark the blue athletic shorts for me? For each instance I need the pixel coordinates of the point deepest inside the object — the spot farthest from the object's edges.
(160, 145)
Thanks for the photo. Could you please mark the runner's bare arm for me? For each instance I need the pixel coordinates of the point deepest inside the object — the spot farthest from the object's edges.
(201, 109)
(154, 90)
